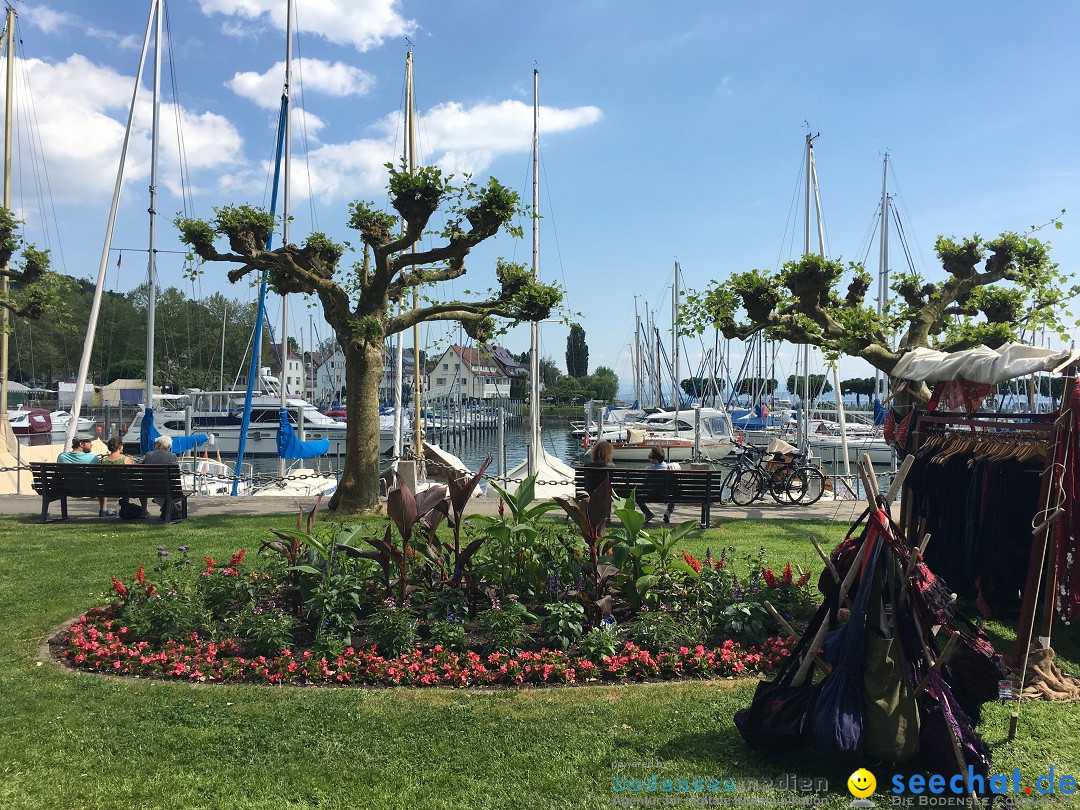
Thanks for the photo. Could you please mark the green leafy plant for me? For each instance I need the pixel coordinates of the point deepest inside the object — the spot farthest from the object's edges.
(601, 641)
(394, 630)
(744, 621)
(663, 630)
(262, 630)
(450, 634)
(505, 626)
(512, 539)
(562, 623)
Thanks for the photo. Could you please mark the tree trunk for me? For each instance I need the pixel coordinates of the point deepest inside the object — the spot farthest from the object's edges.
(358, 489)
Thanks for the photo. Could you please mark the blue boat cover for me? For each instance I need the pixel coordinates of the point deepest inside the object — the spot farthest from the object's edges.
(288, 446)
(880, 412)
(148, 434)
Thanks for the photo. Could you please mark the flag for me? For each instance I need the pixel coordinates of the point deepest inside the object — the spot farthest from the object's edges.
(118, 259)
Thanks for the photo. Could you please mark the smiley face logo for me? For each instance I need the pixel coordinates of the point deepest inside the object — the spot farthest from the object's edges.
(861, 783)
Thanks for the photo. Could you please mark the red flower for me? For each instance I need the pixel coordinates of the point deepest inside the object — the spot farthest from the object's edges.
(787, 574)
(140, 576)
(692, 561)
(803, 579)
(237, 559)
(118, 586)
(210, 565)
(770, 578)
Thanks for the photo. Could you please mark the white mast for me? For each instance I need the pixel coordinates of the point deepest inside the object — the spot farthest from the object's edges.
(881, 381)
(534, 327)
(286, 158)
(804, 422)
(637, 356)
(9, 44)
(151, 266)
(410, 124)
(99, 289)
(675, 343)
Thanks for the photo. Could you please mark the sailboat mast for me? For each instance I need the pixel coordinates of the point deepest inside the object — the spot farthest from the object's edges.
(637, 356)
(99, 288)
(285, 200)
(675, 343)
(151, 265)
(804, 422)
(880, 380)
(9, 45)
(410, 123)
(534, 327)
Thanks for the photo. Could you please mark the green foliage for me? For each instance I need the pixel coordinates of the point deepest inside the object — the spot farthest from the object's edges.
(563, 622)
(505, 626)
(450, 634)
(744, 621)
(394, 630)
(601, 641)
(602, 384)
(265, 630)
(577, 352)
(661, 631)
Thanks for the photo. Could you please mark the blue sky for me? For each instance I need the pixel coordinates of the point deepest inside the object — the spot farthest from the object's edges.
(668, 132)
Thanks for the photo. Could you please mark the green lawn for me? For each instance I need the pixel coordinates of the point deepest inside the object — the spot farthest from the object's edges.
(86, 741)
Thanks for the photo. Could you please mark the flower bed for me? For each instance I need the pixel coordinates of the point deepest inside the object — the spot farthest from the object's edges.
(98, 643)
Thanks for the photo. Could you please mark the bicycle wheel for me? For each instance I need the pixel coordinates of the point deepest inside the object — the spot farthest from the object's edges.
(781, 486)
(804, 486)
(746, 487)
(813, 485)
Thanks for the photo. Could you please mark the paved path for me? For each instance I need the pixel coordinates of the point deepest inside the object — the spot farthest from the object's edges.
(86, 509)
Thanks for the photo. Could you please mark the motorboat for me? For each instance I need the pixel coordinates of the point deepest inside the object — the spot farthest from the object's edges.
(826, 442)
(676, 435)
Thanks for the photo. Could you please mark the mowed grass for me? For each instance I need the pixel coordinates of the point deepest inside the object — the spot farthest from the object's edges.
(84, 741)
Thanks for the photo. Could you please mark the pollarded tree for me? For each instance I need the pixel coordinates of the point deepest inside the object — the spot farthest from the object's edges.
(858, 386)
(1016, 287)
(361, 303)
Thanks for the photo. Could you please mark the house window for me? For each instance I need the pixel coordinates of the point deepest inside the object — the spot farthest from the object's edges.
(445, 366)
(440, 380)
(464, 381)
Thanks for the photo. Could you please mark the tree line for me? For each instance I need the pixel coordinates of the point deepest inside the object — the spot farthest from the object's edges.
(194, 340)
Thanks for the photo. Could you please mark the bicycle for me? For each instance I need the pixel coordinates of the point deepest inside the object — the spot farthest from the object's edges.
(788, 482)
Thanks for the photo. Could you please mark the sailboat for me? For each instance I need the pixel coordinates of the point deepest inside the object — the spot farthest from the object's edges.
(554, 477)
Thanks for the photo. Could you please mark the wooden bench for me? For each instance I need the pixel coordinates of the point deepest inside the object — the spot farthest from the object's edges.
(656, 486)
(58, 482)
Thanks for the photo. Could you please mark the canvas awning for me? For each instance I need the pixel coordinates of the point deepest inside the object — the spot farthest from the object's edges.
(982, 364)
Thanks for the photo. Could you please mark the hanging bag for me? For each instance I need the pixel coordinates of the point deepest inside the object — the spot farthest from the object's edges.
(838, 718)
(891, 731)
(776, 718)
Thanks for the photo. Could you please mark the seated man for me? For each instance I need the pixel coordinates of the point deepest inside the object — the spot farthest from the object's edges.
(657, 462)
(80, 454)
(161, 454)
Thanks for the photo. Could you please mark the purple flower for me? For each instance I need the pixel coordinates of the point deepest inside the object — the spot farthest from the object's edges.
(182, 548)
(161, 548)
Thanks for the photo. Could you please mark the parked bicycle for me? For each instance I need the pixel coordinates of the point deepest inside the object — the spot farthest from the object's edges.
(788, 481)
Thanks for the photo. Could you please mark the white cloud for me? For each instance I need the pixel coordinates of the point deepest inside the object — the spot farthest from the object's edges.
(312, 75)
(462, 139)
(46, 19)
(362, 24)
(81, 111)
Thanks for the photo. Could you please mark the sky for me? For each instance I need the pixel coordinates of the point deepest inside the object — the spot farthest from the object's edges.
(669, 133)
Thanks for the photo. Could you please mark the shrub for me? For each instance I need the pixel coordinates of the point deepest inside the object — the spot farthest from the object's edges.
(171, 616)
(505, 626)
(393, 630)
(662, 630)
(450, 635)
(563, 622)
(601, 641)
(263, 630)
